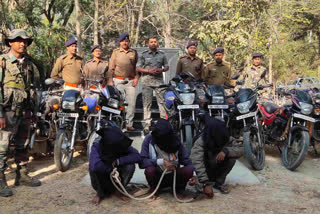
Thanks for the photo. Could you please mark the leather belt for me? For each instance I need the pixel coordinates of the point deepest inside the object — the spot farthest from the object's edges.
(71, 84)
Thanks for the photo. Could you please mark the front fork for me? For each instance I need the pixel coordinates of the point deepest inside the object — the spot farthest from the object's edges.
(258, 128)
(180, 122)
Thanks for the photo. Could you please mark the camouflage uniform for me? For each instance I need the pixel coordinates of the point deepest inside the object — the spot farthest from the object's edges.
(193, 65)
(149, 60)
(217, 74)
(18, 77)
(251, 75)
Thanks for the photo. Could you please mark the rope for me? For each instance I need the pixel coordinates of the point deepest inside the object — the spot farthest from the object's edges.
(115, 175)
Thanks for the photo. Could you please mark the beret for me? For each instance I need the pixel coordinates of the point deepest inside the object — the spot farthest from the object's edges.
(218, 50)
(255, 55)
(123, 36)
(191, 43)
(95, 47)
(71, 42)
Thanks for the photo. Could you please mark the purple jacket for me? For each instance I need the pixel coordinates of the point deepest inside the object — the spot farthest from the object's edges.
(96, 164)
(149, 157)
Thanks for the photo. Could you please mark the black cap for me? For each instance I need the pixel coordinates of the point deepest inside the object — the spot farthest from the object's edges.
(191, 43)
(70, 42)
(255, 55)
(95, 47)
(218, 50)
(123, 36)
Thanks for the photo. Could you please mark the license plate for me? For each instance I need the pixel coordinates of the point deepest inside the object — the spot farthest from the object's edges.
(251, 114)
(180, 107)
(218, 106)
(304, 117)
(61, 114)
(105, 108)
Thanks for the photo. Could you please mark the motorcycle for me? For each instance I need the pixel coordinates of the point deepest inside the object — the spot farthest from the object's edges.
(105, 107)
(183, 99)
(290, 125)
(45, 127)
(243, 121)
(74, 126)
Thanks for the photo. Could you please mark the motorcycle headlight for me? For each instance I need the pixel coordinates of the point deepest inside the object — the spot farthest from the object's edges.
(306, 108)
(113, 103)
(70, 105)
(187, 98)
(243, 107)
(217, 100)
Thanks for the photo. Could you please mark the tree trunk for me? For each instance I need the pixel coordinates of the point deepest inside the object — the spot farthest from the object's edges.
(95, 23)
(136, 38)
(167, 26)
(78, 26)
(133, 19)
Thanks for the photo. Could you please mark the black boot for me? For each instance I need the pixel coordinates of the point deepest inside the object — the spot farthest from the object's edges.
(23, 178)
(5, 191)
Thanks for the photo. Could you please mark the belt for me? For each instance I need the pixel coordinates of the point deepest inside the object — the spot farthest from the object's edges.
(123, 78)
(71, 84)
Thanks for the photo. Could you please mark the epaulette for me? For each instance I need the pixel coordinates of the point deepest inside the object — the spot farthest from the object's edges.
(161, 52)
(183, 57)
(63, 56)
(79, 57)
(226, 63)
(146, 51)
(90, 60)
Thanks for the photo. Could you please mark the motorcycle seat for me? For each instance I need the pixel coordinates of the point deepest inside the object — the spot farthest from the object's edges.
(270, 107)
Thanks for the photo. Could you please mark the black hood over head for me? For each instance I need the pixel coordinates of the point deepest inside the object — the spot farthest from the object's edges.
(164, 136)
(215, 135)
(114, 143)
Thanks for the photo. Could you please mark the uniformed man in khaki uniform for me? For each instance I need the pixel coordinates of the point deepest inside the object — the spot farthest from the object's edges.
(252, 73)
(96, 68)
(68, 66)
(219, 71)
(191, 63)
(122, 74)
(19, 78)
(152, 63)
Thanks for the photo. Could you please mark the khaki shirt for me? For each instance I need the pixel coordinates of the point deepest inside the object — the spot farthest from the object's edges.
(251, 76)
(68, 68)
(218, 74)
(96, 69)
(123, 63)
(149, 60)
(191, 65)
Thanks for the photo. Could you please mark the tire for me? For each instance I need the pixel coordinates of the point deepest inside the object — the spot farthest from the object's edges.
(316, 131)
(301, 139)
(92, 137)
(254, 154)
(62, 153)
(189, 138)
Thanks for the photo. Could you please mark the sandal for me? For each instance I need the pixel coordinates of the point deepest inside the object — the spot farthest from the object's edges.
(224, 189)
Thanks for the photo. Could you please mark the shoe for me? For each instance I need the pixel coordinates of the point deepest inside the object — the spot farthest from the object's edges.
(23, 178)
(224, 189)
(5, 191)
(130, 128)
(146, 131)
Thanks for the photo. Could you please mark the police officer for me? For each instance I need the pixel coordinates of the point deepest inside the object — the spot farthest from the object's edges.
(96, 68)
(68, 66)
(122, 74)
(251, 74)
(219, 71)
(191, 63)
(151, 64)
(17, 76)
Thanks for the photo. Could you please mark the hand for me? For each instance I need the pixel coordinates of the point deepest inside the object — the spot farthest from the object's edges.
(192, 181)
(152, 71)
(3, 123)
(110, 82)
(114, 164)
(135, 82)
(159, 70)
(208, 191)
(220, 157)
(169, 165)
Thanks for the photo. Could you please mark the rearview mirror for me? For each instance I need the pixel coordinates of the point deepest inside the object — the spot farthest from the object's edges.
(49, 81)
(60, 82)
(240, 82)
(235, 76)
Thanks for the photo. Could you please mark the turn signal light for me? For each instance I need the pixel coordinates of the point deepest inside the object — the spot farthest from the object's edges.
(98, 108)
(55, 106)
(318, 110)
(121, 108)
(84, 108)
(230, 101)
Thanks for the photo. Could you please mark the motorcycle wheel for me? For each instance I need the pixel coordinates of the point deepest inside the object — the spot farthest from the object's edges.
(92, 137)
(255, 154)
(188, 139)
(62, 152)
(294, 155)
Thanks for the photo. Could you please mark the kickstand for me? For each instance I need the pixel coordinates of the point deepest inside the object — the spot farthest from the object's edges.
(279, 149)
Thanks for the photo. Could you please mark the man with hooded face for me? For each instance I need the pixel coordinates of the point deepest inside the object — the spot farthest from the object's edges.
(111, 149)
(19, 78)
(211, 157)
(162, 150)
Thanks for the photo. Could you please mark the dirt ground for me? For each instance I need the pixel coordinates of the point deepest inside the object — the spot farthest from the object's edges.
(280, 191)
